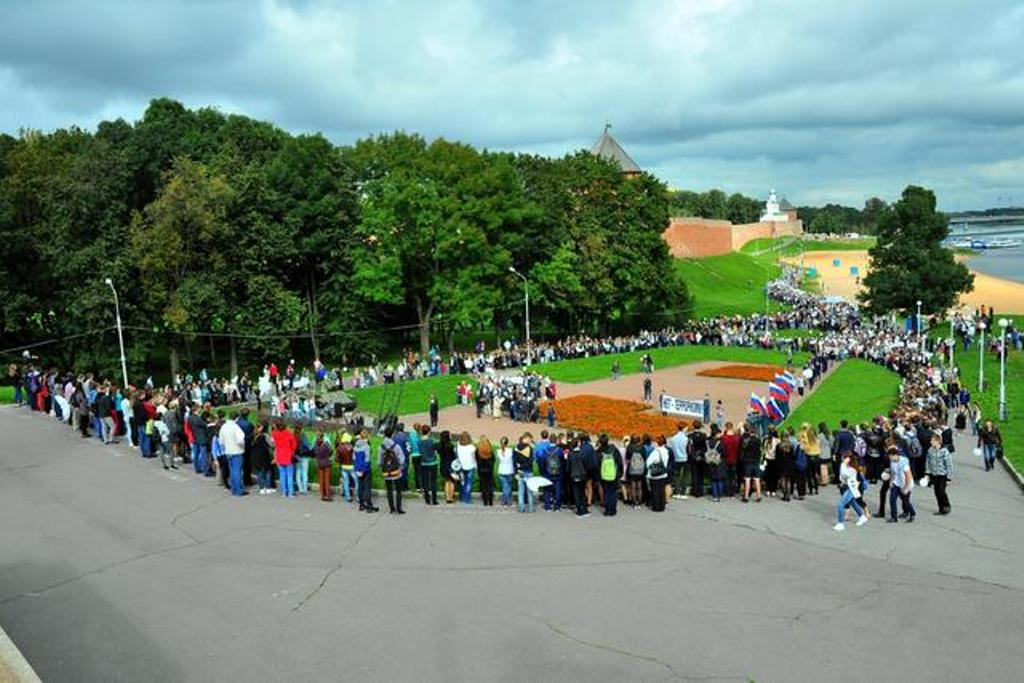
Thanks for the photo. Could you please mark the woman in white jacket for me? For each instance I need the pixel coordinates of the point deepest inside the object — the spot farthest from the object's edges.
(850, 493)
(465, 452)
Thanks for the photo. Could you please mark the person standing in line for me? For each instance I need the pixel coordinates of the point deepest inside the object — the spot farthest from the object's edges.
(390, 460)
(940, 472)
(428, 466)
(657, 473)
(465, 453)
(433, 409)
(446, 451)
(285, 446)
(485, 470)
(506, 471)
(105, 410)
(263, 457)
(322, 453)
(579, 476)
(678, 447)
(750, 461)
(345, 455)
(364, 472)
(849, 488)
(522, 460)
(901, 485)
(697, 456)
(989, 441)
(812, 448)
(163, 437)
(232, 441)
(611, 473)
(302, 457)
(200, 443)
(825, 463)
(636, 468)
(716, 464)
(247, 428)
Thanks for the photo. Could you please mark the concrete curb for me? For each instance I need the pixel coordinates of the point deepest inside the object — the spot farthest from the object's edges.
(14, 668)
(1014, 474)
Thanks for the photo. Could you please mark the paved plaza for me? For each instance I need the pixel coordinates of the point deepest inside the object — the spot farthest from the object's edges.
(112, 569)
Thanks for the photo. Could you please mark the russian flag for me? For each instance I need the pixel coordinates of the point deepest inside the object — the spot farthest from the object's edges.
(757, 404)
(777, 392)
(774, 411)
(782, 382)
(789, 379)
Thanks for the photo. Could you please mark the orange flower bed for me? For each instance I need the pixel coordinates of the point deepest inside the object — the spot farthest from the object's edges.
(757, 373)
(613, 416)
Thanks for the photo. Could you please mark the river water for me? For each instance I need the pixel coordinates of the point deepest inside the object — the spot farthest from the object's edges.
(1004, 263)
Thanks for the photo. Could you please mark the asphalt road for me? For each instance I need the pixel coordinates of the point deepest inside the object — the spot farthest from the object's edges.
(112, 570)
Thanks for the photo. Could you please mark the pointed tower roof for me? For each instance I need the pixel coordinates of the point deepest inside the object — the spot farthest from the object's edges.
(784, 205)
(607, 147)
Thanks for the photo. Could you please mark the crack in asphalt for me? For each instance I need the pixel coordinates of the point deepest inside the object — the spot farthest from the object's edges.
(604, 647)
(337, 567)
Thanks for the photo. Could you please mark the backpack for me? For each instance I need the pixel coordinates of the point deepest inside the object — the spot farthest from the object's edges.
(608, 469)
(637, 464)
(389, 462)
(554, 462)
(657, 469)
(800, 462)
(914, 446)
(714, 455)
(577, 468)
(860, 447)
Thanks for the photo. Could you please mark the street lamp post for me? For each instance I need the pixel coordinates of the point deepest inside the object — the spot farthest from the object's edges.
(1003, 322)
(952, 341)
(120, 333)
(526, 286)
(917, 320)
(981, 359)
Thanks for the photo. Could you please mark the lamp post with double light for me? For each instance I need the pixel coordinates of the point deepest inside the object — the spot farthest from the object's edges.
(1003, 323)
(120, 333)
(526, 286)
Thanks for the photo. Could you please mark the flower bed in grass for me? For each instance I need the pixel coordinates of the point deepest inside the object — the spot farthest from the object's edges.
(613, 416)
(757, 373)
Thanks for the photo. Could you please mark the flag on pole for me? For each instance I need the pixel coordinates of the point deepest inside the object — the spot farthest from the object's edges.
(757, 404)
(777, 391)
(787, 379)
(774, 411)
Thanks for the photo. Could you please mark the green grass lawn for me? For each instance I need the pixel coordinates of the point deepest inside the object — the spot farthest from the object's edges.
(788, 246)
(1013, 428)
(729, 284)
(857, 391)
(6, 395)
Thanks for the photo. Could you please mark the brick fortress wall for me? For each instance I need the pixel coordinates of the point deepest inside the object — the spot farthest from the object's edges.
(698, 237)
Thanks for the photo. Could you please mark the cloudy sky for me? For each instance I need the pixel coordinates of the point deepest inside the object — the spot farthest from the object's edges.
(826, 100)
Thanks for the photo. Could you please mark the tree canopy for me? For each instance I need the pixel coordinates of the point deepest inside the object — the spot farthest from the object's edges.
(221, 231)
(909, 263)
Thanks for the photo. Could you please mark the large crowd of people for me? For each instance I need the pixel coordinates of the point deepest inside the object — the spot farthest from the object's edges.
(186, 423)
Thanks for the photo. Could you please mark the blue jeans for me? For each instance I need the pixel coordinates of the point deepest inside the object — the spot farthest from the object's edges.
(302, 475)
(717, 488)
(235, 469)
(349, 484)
(523, 492)
(264, 479)
(989, 450)
(285, 475)
(895, 492)
(506, 488)
(143, 440)
(848, 499)
(17, 395)
(466, 489)
(199, 456)
(553, 493)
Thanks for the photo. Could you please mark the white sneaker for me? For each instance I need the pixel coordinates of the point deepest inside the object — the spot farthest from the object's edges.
(839, 526)
(862, 520)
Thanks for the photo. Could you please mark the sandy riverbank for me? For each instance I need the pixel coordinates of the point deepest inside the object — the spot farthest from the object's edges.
(1005, 295)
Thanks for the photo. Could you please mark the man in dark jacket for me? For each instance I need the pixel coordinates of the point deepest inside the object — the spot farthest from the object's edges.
(200, 443)
(611, 473)
(105, 411)
(247, 428)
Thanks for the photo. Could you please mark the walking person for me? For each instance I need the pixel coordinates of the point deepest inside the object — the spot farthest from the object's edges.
(901, 485)
(428, 466)
(322, 453)
(990, 441)
(940, 470)
(849, 493)
(434, 409)
(657, 473)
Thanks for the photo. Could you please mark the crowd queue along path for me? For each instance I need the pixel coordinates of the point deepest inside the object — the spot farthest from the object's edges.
(112, 569)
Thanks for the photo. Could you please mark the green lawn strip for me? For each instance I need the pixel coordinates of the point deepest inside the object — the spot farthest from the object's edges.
(415, 395)
(6, 395)
(1013, 429)
(600, 367)
(730, 284)
(856, 391)
(787, 246)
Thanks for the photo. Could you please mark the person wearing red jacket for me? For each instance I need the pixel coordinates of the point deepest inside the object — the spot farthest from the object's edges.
(284, 456)
(731, 458)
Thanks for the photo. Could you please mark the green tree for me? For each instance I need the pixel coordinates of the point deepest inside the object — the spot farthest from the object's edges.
(909, 263)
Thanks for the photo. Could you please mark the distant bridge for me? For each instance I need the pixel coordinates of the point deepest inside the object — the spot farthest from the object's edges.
(969, 220)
